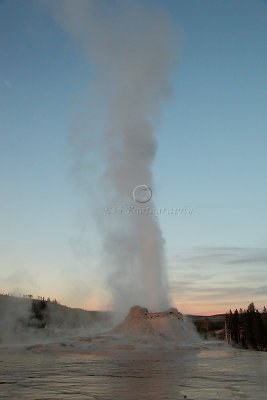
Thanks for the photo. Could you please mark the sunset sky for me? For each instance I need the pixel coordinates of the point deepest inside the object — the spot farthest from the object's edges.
(211, 158)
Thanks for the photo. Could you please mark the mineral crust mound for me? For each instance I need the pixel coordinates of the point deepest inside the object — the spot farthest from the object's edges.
(168, 324)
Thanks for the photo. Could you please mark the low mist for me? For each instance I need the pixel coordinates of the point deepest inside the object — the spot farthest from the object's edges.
(32, 321)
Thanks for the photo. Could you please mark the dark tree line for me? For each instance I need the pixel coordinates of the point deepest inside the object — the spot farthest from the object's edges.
(247, 328)
(207, 327)
(39, 314)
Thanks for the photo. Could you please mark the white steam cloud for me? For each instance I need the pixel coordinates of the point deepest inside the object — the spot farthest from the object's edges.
(129, 48)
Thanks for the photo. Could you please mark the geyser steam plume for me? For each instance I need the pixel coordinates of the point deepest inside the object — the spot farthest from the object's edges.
(129, 47)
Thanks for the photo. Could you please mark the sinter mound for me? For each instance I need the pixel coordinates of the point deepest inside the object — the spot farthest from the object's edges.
(168, 324)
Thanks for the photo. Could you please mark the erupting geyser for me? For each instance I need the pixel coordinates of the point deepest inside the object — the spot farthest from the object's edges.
(130, 50)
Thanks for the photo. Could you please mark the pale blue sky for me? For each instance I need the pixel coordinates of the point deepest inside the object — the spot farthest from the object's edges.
(211, 157)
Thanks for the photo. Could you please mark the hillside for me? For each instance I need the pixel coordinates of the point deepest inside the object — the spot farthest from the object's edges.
(23, 319)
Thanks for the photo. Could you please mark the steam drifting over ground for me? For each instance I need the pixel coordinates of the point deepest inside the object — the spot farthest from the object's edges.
(129, 49)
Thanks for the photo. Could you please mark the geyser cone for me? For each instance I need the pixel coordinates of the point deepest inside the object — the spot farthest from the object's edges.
(169, 325)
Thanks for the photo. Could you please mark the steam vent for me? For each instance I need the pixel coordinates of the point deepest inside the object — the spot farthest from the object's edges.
(168, 324)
